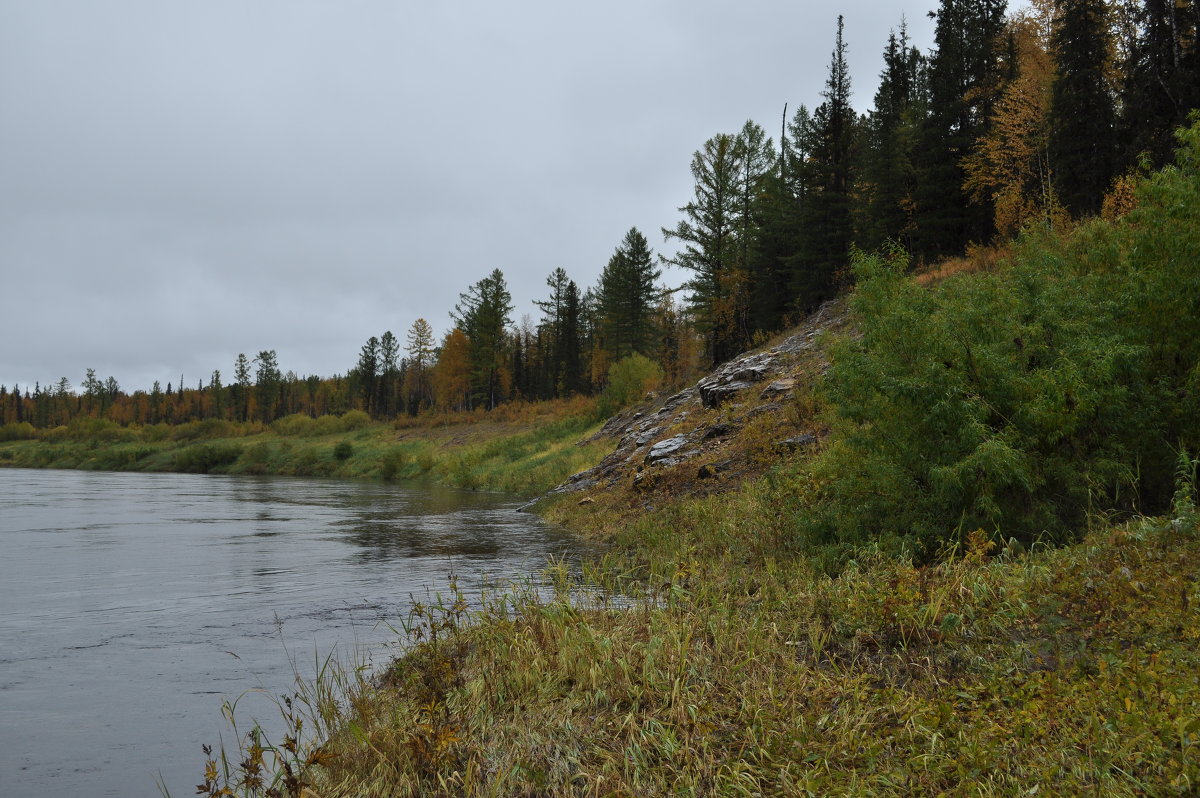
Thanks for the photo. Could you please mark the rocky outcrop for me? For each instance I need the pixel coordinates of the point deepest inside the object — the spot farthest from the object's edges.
(654, 439)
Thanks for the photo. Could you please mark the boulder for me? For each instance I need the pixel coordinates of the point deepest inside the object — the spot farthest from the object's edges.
(665, 448)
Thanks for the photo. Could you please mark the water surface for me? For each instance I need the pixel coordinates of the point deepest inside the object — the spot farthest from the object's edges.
(131, 604)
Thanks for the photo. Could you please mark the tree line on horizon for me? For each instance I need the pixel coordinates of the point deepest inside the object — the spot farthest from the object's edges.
(1036, 118)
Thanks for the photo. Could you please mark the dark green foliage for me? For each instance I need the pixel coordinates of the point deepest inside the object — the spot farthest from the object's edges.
(1021, 401)
(203, 458)
(888, 176)
(1082, 109)
(268, 381)
(1162, 79)
(343, 450)
(560, 338)
(965, 73)
(708, 235)
(826, 226)
(482, 313)
(626, 297)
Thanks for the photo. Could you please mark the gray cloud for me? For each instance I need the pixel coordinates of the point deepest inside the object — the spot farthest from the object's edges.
(183, 181)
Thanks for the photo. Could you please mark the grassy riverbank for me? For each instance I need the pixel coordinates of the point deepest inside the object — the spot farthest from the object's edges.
(949, 588)
(744, 670)
(524, 449)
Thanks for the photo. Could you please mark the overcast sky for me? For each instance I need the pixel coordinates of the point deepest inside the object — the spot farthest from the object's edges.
(184, 180)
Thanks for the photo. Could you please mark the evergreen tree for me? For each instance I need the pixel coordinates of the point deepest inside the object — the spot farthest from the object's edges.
(268, 383)
(557, 343)
(888, 176)
(626, 296)
(965, 75)
(827, 228)
(420, 359)
(1082, 105)
(708, 234)
(241, 386)
(482, 313)
(366, 372)
(389, 374)
(1162, 82)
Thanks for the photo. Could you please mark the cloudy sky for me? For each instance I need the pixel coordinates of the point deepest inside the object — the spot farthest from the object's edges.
(184, 180)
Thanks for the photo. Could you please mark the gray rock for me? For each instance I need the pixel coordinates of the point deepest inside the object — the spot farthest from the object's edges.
(665, 448)
(798, 442)
(648, 436)
(778, 387)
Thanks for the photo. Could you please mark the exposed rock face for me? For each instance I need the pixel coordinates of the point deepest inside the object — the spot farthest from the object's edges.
(664, 449)
(653, 441)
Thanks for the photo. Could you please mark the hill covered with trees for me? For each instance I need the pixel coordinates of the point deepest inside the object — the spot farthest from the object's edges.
(1030, 119)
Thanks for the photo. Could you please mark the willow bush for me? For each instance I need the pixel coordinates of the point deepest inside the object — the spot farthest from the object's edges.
(1019, 401)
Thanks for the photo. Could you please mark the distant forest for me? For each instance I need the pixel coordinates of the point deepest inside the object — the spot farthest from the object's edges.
(1011, 121)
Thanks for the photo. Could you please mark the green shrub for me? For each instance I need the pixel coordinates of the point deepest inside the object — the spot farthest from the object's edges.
(202, 458)
(355, 420)
(1020, 401)
(202, 430)
(13, 431)
(327, 425)
(297, 424)
(392, 463)
(343, 450)
(628, 381)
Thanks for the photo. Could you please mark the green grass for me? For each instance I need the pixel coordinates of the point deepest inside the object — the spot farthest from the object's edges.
(1069, 670)
(525, 453)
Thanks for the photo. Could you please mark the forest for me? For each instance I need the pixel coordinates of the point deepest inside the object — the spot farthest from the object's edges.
(1034, 118)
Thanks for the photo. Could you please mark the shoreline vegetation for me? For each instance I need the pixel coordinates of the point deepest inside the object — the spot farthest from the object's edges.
(983, 580)
(519, 448)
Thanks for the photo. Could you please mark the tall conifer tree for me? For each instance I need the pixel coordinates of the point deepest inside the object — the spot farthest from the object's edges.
(1082, 105)
(965, 75)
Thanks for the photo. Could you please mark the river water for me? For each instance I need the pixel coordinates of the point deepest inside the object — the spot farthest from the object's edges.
(132, 604)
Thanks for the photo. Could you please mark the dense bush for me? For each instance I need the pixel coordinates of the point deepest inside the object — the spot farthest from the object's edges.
(13, 431)
(203, 458)
(628, 381)
(1022, 400)
(296, 424)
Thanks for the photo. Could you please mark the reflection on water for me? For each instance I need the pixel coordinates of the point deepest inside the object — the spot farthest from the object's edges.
(131, 603)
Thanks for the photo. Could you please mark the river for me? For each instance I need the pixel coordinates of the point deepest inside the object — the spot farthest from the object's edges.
(132, 604)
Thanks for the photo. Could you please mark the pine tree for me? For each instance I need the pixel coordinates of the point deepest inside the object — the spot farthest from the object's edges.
(267, 384)
(965, 75)
(420, 359)
(389, 374)
(626, 296)
(241, 387)
(888, 175)
(708, 234)
(1082, 105)
(366, 373)
(826, 229)
(482, 313)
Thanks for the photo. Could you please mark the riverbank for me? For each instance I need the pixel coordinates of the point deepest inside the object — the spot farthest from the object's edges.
(523, 449)
(744, 669)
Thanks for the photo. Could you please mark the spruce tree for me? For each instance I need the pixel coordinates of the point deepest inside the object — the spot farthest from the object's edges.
(965, 75)
(1082, 105)
(1162, 82)
(626, 295)
(708, 235)
(827, 228)
(888, 175)
(482, 313)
